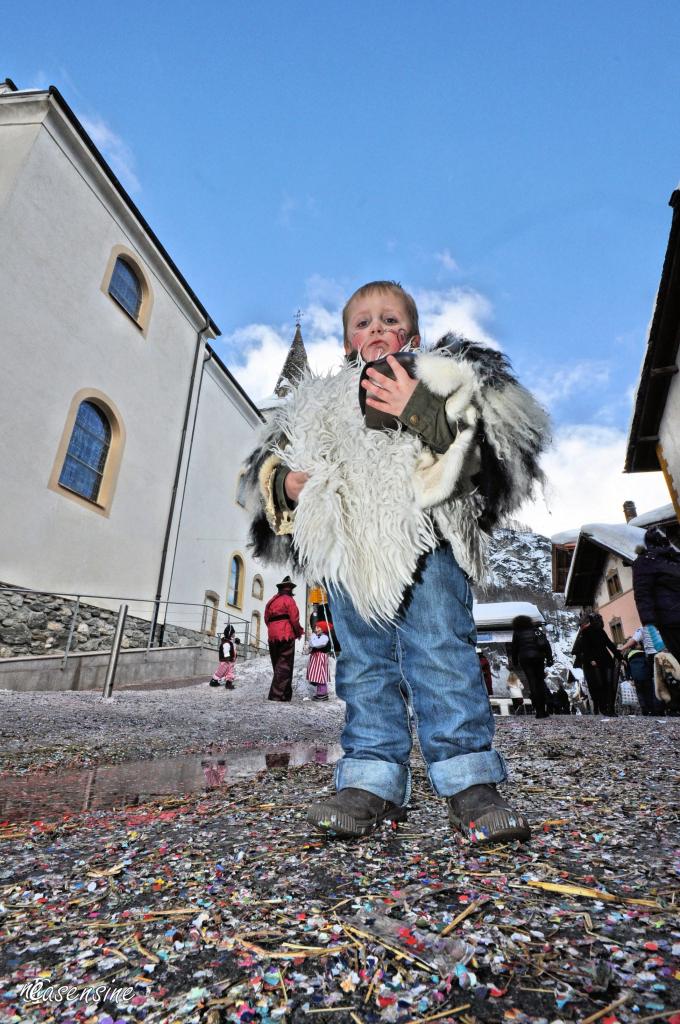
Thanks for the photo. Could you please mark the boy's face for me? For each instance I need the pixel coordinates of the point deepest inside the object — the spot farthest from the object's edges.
(377, 325)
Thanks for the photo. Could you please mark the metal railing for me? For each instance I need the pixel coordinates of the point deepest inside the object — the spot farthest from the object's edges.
(86, 623)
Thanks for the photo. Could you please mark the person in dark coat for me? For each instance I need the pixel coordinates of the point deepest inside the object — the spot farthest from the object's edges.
(596, 654)
(561, 700)
(485, 666)
(282, 619)
(656, 587)
(530, 651)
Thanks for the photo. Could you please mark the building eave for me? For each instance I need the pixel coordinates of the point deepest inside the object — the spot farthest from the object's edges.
(229, 375)
(70, 116)
(660, 360)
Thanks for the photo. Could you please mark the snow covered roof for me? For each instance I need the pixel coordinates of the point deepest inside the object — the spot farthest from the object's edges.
(664, 514)
(595, 542)
(501, 613)
(619, 538)
(565, 537)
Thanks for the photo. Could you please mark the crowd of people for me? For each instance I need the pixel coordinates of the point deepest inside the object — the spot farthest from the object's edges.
(649, 660)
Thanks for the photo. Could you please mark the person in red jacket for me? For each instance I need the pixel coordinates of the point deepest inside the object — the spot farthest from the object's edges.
(485, 666)
(282, 619)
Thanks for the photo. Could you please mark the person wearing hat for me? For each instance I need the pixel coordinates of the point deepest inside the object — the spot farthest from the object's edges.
(282, 619)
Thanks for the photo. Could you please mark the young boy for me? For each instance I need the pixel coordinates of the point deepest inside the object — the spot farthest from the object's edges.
(394, 522)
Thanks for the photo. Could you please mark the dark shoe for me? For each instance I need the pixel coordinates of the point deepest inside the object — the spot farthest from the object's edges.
(229, 686)
(483, 816)
(214, 682)
(325, 697)
(353, 812)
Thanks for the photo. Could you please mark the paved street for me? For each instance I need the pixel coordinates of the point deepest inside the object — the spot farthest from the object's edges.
(221, 905)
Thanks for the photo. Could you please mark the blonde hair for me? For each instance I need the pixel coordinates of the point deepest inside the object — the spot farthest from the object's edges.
(392, 287)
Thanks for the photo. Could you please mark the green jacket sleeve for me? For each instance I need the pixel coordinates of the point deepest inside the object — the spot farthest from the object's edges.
(425, 415)
(281, 499)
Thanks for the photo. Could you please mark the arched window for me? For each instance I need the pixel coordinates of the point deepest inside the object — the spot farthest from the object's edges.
(88, 448)
(258, 588)
(127, 283)
(235, 587)
(126, 288)
(255, 629)
(90, 453)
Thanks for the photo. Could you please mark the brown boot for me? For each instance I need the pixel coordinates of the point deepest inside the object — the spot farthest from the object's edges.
(353, 812)
(482, 815)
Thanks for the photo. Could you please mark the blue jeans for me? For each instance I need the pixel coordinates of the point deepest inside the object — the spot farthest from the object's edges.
(425, 661)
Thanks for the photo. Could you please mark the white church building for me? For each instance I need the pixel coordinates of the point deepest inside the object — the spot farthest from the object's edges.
(122, 430)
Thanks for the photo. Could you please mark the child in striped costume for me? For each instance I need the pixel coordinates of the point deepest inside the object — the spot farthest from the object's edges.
(317, 667)
(227, 653)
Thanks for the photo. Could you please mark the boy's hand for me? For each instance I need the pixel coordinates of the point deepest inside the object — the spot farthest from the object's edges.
(293, 484)
(389, 396)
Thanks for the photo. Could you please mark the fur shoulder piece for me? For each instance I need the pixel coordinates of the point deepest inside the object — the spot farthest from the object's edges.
(377, 500)
(512, 428)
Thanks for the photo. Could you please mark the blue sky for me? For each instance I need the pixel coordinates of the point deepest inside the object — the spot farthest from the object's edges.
(508, 162)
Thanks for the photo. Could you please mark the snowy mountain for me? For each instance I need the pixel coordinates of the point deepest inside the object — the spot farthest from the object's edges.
(519, 559)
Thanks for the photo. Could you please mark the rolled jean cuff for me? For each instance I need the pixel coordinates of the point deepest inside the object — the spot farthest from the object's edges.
(458, 773)
(384, 778)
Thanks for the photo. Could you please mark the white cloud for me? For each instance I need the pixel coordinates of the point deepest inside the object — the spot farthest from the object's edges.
(325, 290)
(553, 388)
(586, 482)
(454, 309)
(265, 349)
(116, 152)
(446, 259)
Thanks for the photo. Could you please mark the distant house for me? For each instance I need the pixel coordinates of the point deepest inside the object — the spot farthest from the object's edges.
(654, 437)
(601, 578)
(592, 566)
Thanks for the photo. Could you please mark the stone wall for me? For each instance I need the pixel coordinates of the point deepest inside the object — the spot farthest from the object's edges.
(39, 624)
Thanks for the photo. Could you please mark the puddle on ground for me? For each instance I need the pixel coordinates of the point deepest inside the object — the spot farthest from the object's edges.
(49, 797)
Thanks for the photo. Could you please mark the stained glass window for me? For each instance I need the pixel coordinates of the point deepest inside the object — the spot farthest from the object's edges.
(87, 450)
(125, 287)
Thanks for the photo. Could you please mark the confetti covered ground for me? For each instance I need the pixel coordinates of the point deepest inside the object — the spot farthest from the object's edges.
(223, 906)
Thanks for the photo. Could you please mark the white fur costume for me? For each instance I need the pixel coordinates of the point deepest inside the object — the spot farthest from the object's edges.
(378, 500)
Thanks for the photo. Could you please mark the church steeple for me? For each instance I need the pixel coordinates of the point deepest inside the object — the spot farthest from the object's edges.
(296, 363)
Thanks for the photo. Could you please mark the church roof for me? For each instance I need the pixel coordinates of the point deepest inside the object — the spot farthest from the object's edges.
(294, 367)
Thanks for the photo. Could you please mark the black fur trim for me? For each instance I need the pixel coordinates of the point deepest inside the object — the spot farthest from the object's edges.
(492, 367)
